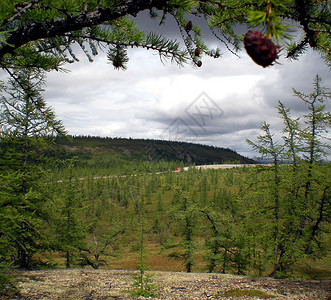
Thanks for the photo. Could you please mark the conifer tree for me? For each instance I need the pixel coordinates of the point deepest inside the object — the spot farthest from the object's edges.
(313, 135)
(268, 147)
(70, 227)
(23, 138)
(300, 188)
(226, 236)
(184, 211)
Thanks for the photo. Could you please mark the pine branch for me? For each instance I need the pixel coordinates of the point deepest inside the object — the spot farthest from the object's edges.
(225, 43)
(188, 41)
(20, 10)
(117, 55)
(167, 49)
(56, 125)
(36, 31)
(295, 50)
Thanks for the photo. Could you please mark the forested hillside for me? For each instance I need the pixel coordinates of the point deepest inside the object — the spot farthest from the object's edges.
(89, 147)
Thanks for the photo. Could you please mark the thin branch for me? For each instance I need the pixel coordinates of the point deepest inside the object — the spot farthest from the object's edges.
(184, 39)
(224, 42)
(164, 52)
(53, 28)
(31, 98)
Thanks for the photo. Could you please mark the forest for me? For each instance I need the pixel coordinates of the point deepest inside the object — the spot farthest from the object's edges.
(64, 210)
(101, 150)
(69, 202)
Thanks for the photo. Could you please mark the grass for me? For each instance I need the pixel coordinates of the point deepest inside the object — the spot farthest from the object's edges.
(245, 293)
(317, 269)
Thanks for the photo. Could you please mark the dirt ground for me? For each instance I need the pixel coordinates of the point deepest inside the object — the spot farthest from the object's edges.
(111, 284)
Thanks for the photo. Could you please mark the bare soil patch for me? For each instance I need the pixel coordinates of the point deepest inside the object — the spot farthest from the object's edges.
(111, 284)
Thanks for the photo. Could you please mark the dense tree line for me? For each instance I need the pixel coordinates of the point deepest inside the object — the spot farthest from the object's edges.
(92, 149)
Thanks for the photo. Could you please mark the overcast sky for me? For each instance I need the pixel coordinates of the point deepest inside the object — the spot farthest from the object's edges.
(221, 104)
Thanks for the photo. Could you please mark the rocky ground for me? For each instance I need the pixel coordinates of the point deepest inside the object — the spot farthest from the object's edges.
(113, 284)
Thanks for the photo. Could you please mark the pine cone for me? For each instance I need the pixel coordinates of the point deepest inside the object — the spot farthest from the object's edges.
(261, 49)
(188, 26)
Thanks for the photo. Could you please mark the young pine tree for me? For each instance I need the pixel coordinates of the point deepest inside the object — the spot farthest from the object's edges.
(299, 192)
(23, 137)
(70, 227)
(185, 212)
(268, 147)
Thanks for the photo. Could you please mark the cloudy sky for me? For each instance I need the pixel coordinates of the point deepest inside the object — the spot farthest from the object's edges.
(221, 104)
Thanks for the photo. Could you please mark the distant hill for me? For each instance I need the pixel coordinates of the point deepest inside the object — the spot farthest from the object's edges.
(148, 150)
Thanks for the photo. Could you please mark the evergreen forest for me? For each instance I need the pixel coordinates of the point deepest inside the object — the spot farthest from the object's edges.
(61, 210)
(94, 202)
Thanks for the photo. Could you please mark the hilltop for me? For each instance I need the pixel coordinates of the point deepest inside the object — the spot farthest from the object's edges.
(147, 150)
